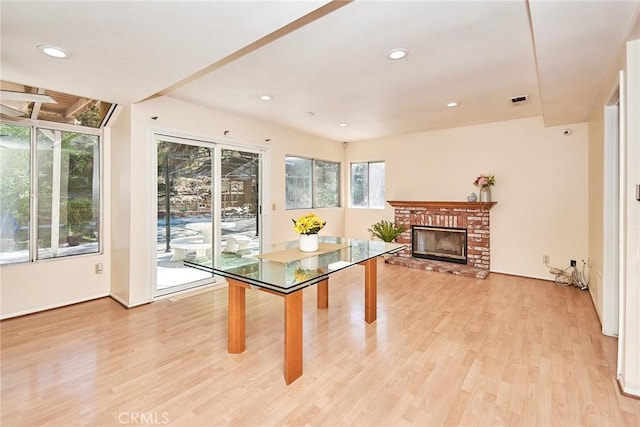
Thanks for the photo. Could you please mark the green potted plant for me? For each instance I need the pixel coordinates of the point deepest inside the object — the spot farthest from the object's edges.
(387, 231)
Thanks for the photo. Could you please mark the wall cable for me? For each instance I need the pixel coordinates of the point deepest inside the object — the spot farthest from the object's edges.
(570, 276)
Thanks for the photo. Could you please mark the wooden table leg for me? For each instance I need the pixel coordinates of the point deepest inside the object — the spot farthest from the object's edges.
(370, 289)
(292, 336)
(236, 322)
(323, 293)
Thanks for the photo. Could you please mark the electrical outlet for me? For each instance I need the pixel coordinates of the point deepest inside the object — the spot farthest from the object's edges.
(573, 263)
(545, 259)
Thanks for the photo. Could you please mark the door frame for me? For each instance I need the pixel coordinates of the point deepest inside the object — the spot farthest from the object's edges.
(614, 113)
(216, 147)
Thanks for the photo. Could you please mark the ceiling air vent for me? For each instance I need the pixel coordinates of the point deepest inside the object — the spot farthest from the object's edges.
(519, 100)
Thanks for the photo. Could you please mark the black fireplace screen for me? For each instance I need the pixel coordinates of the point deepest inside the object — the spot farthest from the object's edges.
(439, 243)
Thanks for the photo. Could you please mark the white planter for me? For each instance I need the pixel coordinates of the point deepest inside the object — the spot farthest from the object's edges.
(308, 242)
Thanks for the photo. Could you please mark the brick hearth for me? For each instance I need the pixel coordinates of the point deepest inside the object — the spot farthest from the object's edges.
(474, 216)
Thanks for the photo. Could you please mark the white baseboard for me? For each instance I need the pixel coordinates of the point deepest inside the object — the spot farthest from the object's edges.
(127, 305)
(120, 300)
(52, 306)
(629, 391)
(185, 293)
(509, 273)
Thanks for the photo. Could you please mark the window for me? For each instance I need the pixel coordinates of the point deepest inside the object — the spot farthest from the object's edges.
(367, 185)
(64, 216)
(66, 108)
(15, 170)
(311, 183)
(326, 184)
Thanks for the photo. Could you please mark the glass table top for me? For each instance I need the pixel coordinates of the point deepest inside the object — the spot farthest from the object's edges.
(283, 268)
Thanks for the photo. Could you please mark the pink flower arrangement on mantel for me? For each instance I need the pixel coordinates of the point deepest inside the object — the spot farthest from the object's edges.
(484, 181)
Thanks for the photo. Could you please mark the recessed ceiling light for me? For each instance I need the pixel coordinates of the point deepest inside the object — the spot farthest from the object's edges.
(397, 54)
(54, 51)
(343, 125)
(452, 104)
(266, 97)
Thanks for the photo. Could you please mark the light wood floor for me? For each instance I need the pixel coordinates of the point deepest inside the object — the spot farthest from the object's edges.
(444, 351)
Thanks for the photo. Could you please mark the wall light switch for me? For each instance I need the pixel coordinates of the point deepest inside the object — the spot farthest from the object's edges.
(99, 268)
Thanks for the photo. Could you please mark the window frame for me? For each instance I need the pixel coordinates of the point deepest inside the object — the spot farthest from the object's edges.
(314, 190)
(35, 125)
(368, 193)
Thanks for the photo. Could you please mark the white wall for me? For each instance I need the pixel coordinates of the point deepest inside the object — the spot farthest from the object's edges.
(120, 187)
(132, 172)
(629, 339)
(596, 212)
(602, 291)
(128, 251)
(31, 287)
(541, 185)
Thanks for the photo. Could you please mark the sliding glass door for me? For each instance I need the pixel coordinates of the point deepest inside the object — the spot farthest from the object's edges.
(184, 207)
(239, 198)
(208, 200)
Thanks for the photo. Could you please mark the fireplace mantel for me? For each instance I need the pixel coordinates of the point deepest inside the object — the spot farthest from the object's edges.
(472, 216)
(437, 205)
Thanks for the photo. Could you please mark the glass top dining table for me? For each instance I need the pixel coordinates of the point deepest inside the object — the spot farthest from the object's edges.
(282, 269)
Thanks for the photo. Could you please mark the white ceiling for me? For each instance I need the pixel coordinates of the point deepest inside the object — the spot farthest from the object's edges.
(328, 58)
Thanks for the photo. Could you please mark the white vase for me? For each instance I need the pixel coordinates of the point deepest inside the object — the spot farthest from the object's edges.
(308, 242)
(485, 195)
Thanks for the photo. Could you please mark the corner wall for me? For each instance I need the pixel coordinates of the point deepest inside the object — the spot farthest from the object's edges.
(31, 287)
(135, 225)
(541, 186)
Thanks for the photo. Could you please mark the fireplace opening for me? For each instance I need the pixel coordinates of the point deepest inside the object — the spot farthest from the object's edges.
(439, 243)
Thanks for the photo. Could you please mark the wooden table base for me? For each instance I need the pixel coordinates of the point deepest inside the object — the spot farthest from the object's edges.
(293, 316)
(323, 294)
(370, 289)
(292, 336)
(236, 323)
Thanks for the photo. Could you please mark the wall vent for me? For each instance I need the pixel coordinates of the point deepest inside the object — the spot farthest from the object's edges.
(519, 100)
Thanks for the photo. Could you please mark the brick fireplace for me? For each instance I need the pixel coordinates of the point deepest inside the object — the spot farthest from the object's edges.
(472, 216)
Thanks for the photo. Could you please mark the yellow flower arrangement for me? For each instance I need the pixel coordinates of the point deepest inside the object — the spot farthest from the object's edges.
(301, 275)
(308, 224)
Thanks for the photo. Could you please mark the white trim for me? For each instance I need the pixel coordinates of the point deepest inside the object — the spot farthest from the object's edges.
(629, 336)
(621, 242)
(628, 390)
(120, 300)
(153, 206)
(196, 289)
(181, 136)
(528, 276)
(611, 213)
(126, 305)
(153, 224)
(265, 194)
(54, 306)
